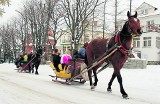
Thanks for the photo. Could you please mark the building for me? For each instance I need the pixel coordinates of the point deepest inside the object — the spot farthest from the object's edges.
(90, 32)
(147, 46)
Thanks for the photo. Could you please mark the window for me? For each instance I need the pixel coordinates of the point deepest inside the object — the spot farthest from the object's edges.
(136, 42)
(158, 42)
(151, 22)
(150, 25)
(69, 39)
(144, 12)
(147, 41)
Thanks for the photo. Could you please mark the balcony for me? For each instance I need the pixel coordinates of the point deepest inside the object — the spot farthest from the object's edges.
(151, 28)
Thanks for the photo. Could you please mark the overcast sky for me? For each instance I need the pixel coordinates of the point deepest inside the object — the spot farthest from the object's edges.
(17, 4)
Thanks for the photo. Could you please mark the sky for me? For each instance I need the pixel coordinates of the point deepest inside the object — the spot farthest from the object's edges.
(10, 11)
(17, 5)
(142, 86)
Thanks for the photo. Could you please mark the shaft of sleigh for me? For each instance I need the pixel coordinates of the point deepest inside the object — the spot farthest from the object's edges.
(95, 64)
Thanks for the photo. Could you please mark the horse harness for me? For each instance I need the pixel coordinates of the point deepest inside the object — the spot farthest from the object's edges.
(122, 49)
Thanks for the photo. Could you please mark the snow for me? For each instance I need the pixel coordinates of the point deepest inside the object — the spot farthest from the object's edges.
(142, 86)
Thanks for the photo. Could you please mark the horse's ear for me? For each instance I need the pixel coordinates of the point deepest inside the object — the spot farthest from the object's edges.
(135, 15)
(128, 14)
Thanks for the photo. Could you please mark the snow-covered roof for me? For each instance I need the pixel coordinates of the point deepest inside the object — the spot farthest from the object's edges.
(150, 5)
(147, 4)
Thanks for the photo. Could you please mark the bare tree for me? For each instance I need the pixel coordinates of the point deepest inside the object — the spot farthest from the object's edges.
(7, 45)
(3, 2)
(37, 18)
(77, 12)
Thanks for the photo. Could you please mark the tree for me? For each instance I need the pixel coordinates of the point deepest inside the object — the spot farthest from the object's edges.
(3, 2)
(37, 18)
(56, 20)
(76, 14)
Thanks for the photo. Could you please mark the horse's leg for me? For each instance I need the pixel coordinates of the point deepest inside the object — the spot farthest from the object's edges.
(95, 76)
(36, 72)
(119, 78)
(36, 66)
(111, 81)
(32, 67)
(90, 76)
(90, 58)
(29, 67)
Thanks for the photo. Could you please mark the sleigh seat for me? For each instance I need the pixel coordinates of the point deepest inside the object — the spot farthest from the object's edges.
(62, 73)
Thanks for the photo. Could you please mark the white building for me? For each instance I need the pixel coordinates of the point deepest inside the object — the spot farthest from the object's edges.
(148, 45)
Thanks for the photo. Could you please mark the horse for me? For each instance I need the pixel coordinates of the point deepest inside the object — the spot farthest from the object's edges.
(36, 60)
(98, 47)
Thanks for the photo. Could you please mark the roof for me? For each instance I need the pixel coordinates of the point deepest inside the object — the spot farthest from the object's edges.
(147, 4)
(156, 10)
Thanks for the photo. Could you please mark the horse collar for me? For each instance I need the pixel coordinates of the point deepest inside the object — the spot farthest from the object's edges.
(123, 50)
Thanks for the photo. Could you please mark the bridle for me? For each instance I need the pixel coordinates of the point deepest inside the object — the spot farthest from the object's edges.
(117, 38)
(130, 30)
(128, 26)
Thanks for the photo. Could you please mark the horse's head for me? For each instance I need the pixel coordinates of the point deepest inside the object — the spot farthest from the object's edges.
(39, 50)
(133, 24)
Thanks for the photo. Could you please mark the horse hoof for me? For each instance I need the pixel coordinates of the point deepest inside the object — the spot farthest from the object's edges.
(93, 87)
(36, 73)
(83, 81)
(125, 96)
(109, 90)
(69, 82)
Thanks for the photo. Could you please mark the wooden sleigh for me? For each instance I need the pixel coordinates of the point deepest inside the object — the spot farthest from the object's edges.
(26, 67)
(74, 66)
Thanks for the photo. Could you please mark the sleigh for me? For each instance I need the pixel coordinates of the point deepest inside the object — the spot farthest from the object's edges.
(74, 67)
(23, 67)
(78, 70)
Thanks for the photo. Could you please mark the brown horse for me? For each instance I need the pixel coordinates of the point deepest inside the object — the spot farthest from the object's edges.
(97, 47)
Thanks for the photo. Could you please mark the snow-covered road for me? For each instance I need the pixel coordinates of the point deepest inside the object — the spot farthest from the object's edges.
(142, 86)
